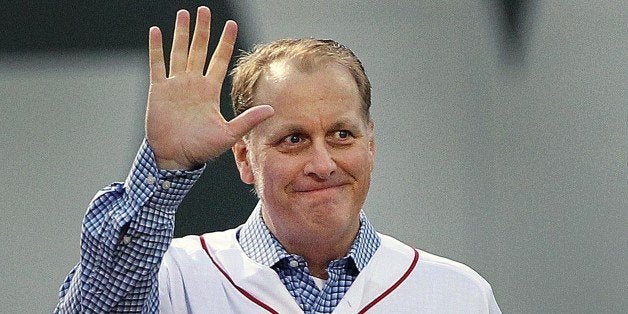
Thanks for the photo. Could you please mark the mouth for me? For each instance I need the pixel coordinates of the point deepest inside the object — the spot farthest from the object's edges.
(321, 188)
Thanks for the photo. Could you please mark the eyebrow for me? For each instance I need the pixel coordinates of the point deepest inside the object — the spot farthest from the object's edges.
(346, 123)
(292, 128)
(284, 129)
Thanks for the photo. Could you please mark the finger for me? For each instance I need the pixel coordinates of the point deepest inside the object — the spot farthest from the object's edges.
(219, 63)
(247, 120)
(180, 42)
(200, 40)
(156, 55)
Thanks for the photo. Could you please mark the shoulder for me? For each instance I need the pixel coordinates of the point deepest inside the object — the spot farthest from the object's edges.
(441, 284)
(437, 268)
(450, 269)
(186, 244)
(194, 245)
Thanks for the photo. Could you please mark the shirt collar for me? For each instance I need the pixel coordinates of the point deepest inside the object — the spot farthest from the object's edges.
(260, 245)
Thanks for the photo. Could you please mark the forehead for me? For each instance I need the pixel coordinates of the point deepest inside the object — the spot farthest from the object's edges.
(326, 93)
(290, 73)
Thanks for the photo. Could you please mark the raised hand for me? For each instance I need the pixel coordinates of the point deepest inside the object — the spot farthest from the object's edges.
(184, 125)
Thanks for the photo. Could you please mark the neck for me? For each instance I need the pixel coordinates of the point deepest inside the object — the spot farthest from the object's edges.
(318, 255)
(318, 248)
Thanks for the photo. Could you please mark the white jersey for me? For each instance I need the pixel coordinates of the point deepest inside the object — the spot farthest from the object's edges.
(211, 274)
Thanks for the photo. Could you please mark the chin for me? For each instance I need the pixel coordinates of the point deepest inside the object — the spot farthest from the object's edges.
(332, 221)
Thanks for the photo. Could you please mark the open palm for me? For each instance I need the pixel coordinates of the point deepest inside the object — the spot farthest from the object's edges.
(184, 125)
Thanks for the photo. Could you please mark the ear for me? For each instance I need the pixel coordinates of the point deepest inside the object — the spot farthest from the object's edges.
(371, 135)
(240, 153)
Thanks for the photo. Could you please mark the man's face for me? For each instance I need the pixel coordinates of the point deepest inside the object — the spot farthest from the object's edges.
(311, 161)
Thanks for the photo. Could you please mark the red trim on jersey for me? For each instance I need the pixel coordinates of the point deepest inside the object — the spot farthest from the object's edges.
(271, 310)
(394, 286)
(241, 290)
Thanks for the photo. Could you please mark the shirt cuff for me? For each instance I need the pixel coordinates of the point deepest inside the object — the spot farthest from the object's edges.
(163, 189)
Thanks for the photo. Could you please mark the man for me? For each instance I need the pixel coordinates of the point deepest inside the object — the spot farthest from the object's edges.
(303, 137)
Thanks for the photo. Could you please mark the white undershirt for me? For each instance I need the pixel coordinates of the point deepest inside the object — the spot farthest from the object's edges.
(320, 283)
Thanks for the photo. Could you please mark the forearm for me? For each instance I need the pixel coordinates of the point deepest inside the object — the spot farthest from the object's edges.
(126, 231)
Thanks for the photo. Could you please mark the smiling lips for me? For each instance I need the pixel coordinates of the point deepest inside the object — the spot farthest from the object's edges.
(314, 186)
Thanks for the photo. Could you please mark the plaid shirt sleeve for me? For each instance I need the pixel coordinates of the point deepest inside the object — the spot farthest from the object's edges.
(126, 231)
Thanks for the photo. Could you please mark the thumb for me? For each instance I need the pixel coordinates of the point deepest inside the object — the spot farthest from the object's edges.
(247, 120)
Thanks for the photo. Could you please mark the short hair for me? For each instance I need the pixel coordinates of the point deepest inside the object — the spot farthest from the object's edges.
(308, 52)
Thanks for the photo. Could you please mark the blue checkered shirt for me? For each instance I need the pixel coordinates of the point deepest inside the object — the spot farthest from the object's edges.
(129, 226)
(261, 246)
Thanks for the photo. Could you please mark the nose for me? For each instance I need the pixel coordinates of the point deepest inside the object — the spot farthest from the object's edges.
(320, 164)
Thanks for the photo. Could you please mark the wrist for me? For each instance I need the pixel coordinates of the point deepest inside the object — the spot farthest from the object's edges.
(165, 164)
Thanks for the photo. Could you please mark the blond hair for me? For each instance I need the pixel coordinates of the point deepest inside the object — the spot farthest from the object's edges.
(308, 53)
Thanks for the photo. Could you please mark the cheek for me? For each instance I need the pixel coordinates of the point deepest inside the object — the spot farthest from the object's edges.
(358, 163)
(275, 173)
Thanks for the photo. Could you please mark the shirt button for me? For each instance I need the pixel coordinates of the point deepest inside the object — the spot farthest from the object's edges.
(126, 240)
(150, 179)
(293, 263)
(166, 185)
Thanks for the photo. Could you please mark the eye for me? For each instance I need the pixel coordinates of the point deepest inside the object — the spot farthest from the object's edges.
(292, 143)
(343, 134)
(293, 139)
